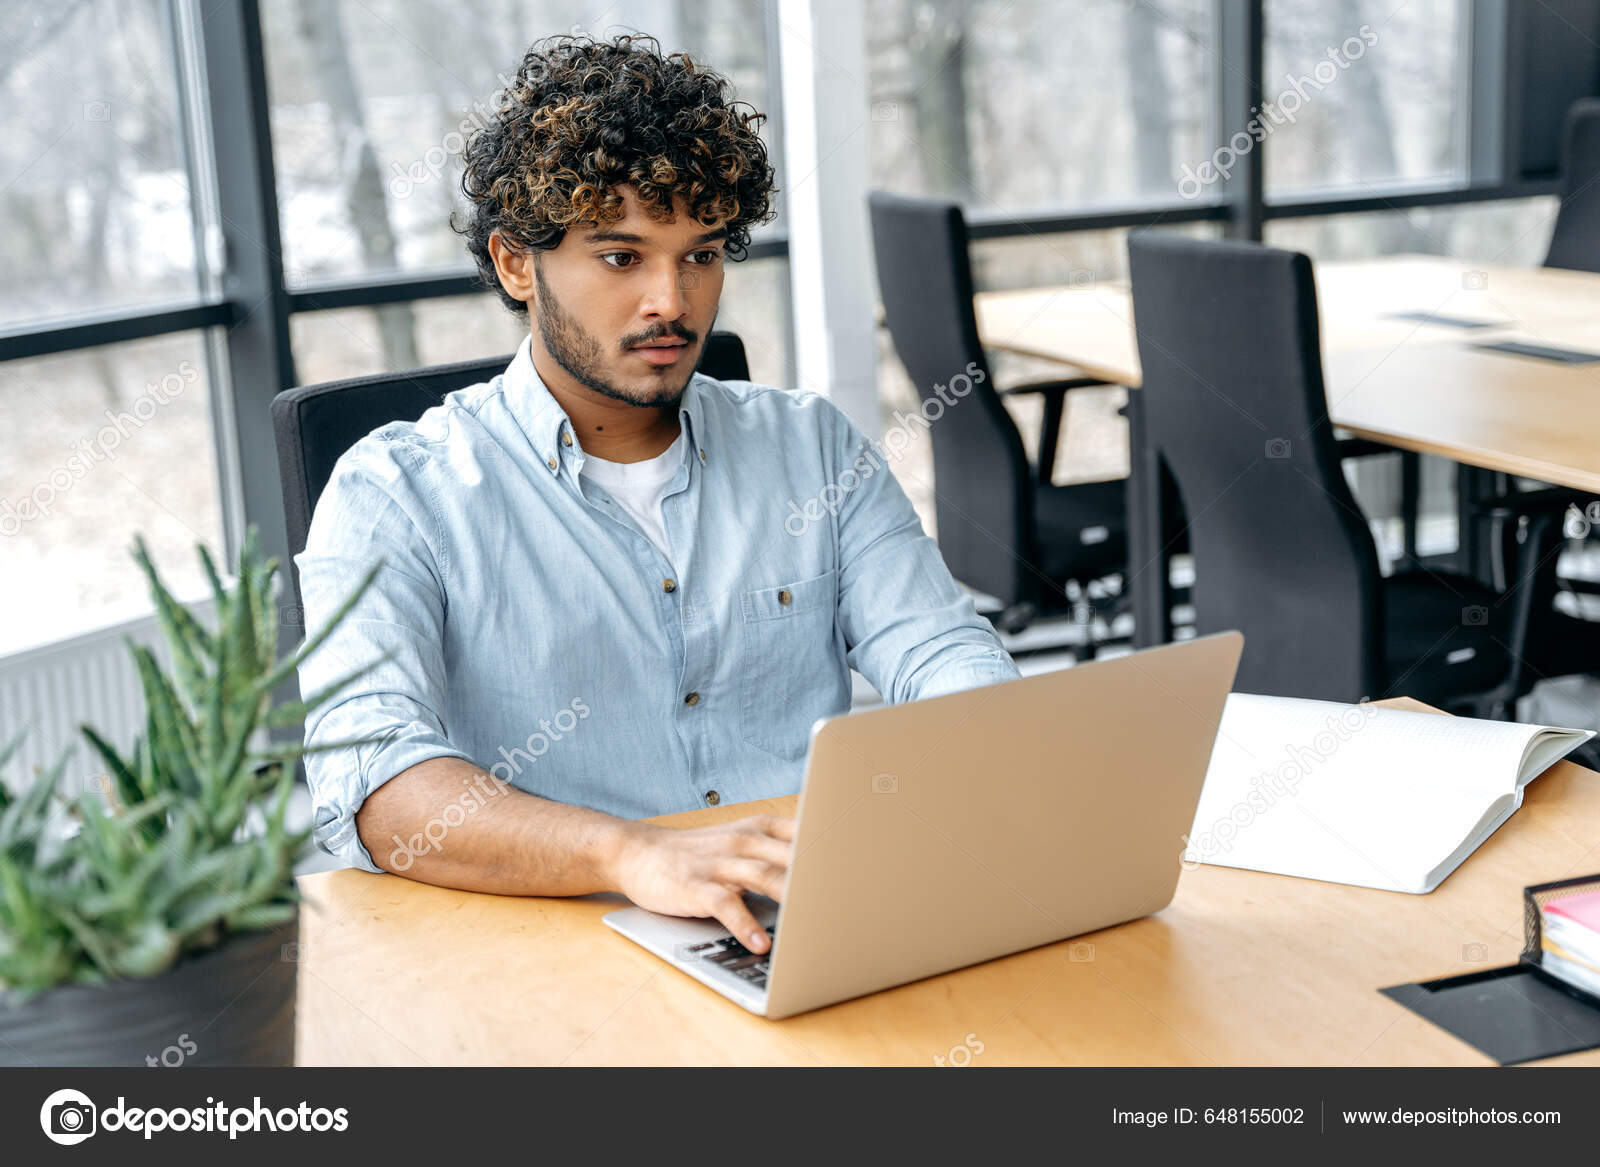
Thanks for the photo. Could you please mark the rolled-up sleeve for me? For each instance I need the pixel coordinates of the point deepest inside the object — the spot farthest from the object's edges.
(373, 508)
(910, 628)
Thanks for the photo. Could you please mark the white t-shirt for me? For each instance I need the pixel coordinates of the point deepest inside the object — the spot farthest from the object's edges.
(638, 487)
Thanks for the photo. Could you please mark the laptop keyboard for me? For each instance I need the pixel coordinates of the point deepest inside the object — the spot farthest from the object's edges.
(736, 958)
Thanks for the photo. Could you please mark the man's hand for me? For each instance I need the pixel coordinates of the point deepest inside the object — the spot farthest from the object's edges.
(704, 872)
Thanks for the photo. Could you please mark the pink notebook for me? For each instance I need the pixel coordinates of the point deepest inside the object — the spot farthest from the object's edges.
(1583, 910)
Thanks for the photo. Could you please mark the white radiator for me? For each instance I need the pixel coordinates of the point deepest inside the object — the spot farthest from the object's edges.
(50, 691)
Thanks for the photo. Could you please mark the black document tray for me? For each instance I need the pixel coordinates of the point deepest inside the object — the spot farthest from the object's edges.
(1517, 1013)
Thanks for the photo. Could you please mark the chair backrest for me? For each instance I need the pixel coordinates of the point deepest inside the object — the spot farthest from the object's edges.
(1575, 243)
(984, 503)
(1236, 410)
(314, 425)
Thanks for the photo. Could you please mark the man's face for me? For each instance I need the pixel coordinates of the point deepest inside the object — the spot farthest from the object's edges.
(612, 302)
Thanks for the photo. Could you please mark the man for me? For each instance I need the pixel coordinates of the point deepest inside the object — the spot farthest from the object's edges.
(595, 603)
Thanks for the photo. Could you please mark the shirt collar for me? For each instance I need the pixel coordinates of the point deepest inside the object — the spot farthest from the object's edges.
(546, 424)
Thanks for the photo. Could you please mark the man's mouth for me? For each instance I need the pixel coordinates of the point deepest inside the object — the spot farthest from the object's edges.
(661, 352)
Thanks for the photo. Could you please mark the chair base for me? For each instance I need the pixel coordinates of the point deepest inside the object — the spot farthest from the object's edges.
(1099, 602)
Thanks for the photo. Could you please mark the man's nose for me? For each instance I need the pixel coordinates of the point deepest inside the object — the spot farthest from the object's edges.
(667, 297)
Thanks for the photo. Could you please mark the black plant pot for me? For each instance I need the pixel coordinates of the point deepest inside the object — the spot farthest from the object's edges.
(231, 1006)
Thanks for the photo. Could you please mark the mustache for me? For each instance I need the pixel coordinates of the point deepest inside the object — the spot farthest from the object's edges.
(688, 337)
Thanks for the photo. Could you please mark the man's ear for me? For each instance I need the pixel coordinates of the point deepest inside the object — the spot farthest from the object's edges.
(513, 267)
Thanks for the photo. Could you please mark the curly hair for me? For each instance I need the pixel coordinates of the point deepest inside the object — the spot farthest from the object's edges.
(583, 116)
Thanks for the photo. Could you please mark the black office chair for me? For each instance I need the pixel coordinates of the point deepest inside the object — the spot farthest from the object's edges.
(315, 424)
(1004, 528)
(1236, 408)
(1575, 242)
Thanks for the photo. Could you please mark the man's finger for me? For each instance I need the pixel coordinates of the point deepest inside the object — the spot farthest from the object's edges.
(776, 825)
(770, 879)
(767, 848)
(728, 907)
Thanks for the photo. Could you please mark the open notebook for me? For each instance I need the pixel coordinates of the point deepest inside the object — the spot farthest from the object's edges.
(1376, 797)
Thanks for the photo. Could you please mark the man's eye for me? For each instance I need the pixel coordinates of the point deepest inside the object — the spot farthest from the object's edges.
(610, 255)
(710, 257)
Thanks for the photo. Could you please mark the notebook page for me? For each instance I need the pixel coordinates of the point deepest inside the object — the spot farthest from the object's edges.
(1493, 819)
(1285, 733)
(1371, 839)
(1548, 748)
(1354, 794)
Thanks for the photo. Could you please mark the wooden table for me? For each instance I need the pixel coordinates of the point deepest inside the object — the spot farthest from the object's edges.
(1242, 968)
(1410, 384)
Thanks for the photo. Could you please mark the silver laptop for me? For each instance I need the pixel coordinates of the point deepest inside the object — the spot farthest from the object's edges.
(943, 833)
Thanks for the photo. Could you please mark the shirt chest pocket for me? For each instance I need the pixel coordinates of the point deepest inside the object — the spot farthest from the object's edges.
(791, 663)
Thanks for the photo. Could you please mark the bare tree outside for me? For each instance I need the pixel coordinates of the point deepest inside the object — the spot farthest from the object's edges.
(321, 28)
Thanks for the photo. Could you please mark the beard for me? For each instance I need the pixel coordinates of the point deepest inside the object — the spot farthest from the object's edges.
(582, 356)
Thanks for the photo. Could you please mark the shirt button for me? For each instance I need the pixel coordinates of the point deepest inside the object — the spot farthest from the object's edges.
(552, 463)
(713, 797)
(692, 699)
(566, 439)
(669, 585)
(702, 455)
(784, 597)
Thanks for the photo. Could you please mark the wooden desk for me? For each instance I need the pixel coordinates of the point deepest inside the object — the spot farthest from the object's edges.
(1243, 968)
(1413, 385)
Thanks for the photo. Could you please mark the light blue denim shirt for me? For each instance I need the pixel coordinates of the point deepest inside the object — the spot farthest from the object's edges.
(534, 629)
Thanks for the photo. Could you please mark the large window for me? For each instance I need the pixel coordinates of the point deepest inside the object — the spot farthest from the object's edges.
(1036, 105)
(94, 191)
(108, 440)
(1365, 94)
(100, 444)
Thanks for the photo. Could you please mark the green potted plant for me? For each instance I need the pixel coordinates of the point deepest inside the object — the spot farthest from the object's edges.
(156, 922)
